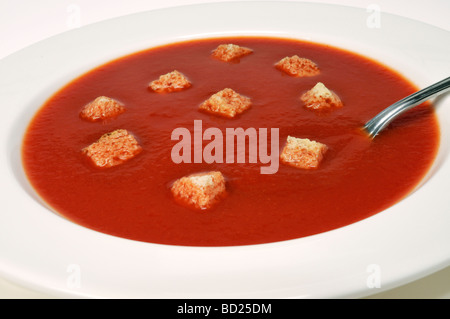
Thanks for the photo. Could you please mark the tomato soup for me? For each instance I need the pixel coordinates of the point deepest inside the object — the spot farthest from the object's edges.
(357, 177)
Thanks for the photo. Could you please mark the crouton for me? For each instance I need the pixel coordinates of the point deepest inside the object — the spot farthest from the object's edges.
(298, 67)
(102, 108)
(200, 191)
(320, 98)
(226, 103)
(303, 153)
(113, 148)
(170, 82)
(229, 52)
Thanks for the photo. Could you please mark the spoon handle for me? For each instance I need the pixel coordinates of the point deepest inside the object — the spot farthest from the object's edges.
(382, 119)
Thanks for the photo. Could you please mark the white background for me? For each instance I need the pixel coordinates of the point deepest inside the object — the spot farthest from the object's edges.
(25, 22)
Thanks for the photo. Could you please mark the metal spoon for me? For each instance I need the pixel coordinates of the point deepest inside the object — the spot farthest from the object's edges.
(382, 119)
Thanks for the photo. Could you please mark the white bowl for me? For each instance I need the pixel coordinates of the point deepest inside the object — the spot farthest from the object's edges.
(44, 251)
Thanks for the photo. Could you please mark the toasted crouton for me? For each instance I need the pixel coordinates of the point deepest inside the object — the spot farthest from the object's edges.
(113, 148)
(226, 103)
(229, 52)
(303, 153)
(170, 82)
(200, 190)
(102, 108)
(297, 66)
(320, 98)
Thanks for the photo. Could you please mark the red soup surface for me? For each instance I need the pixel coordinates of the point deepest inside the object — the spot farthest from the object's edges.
(357, 177)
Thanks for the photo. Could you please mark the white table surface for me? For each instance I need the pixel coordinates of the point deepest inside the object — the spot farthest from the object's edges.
(25, 22)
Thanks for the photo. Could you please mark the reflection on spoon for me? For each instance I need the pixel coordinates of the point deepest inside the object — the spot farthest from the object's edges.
(382, 119)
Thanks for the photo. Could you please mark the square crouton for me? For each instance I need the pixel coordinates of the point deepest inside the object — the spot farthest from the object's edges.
(201, 190)
(113, 148)
(229, 52)
(226, 103)
(321, 98)
(102, 108)
(170, 82)
(303, 153)
(297, 66)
